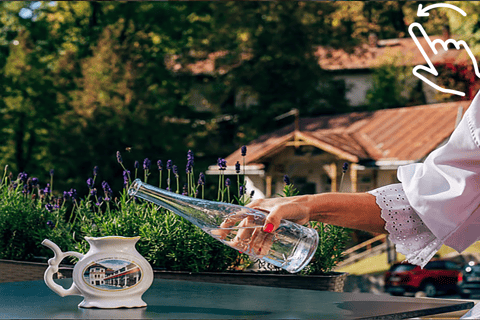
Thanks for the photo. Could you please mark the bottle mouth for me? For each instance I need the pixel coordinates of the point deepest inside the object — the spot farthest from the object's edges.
(132, 191)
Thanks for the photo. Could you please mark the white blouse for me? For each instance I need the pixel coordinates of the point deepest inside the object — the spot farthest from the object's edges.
(437, 201)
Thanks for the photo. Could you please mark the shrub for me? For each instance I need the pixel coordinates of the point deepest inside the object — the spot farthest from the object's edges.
(29, 214)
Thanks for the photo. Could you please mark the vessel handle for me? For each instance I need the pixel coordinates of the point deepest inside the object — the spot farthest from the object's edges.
(53, 264)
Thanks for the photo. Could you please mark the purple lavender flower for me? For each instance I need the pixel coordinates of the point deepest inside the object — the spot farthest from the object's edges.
(242, 190)
(34, 182)
(119, 157)
(52, 172)
(49, 207)
(95, 171)
(175, 171)
(47, 188)
(201, 179)
(90, 183)
(286, 179)
(169, 164)
(244, 151)
(50, 223)
(66, 195)
(25, 189)
(190, 157)
(107, 190)
(146, 164)
(73, 194)
(189, 167)
(237, 167)
(345, 167)
(228, 183)
(100, 200)
(160, 165)
(136, 165)
(22, 176)
(126, 173)
(184, 190)
(222, 164)
(93, 192)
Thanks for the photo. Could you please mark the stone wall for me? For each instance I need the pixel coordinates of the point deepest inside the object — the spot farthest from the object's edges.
(12, 271)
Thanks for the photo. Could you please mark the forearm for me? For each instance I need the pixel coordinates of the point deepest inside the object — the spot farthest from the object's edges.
(350, 210)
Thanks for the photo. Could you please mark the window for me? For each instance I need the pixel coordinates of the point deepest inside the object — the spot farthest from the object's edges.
(435, 265)
(402, 267)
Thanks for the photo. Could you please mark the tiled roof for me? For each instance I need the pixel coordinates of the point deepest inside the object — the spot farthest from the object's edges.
(402, 52)
(408, 133)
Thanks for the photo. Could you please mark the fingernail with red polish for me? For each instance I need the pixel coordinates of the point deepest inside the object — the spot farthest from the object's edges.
(268, 228)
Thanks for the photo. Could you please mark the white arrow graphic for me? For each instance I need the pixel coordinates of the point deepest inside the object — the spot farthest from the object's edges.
(423, 12)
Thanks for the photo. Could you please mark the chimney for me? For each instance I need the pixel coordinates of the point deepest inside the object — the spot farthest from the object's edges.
(446, 32)
(372, 39)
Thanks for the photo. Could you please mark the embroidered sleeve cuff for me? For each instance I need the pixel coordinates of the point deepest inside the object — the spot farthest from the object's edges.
(406, 230)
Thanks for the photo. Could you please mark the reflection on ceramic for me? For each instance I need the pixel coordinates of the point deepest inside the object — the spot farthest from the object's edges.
(111, 275)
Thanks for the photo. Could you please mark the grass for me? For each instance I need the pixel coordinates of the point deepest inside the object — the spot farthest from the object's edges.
(379, 263)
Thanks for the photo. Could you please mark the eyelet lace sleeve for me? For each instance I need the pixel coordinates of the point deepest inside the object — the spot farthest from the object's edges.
(410, 235)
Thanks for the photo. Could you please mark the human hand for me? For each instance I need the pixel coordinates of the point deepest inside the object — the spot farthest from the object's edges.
(294, 209)
(243, 232)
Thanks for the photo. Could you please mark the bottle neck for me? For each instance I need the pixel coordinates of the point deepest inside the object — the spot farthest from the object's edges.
(183, 206)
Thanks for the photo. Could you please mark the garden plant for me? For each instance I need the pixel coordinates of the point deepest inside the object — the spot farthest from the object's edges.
(31, 212)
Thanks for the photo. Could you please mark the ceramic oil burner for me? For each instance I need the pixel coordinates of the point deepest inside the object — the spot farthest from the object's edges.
(111, 275)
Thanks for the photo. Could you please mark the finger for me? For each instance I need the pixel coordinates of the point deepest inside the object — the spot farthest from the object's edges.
(292, 211)
(254, 203)
(243, 237)
(261, 209)
(261, 242)
(226, 224)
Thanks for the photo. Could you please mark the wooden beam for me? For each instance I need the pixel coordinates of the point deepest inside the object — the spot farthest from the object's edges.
(354, 178)
(268, 187)
(326, 147)
(334, 176)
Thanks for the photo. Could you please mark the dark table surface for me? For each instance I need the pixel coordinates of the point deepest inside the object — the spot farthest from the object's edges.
(169, 299)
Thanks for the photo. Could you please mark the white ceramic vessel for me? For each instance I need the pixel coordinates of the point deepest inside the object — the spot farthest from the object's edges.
(111, 275)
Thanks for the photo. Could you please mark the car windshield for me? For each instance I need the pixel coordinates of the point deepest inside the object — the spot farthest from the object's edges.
(402, 267)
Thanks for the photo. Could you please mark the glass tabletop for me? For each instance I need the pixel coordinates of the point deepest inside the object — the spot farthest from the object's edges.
(169, 299)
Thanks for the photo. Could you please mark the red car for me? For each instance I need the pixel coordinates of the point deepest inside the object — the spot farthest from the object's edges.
(436, 276)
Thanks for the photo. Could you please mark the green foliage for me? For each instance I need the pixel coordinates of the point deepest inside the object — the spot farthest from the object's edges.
(25, 223)
(332, 241)
(167, 240)
(387, 87)
(27, 217)
(289, 190)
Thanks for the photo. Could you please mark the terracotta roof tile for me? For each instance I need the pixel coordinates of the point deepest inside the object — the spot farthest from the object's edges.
(399, 51)
(392, 134)
(402, 51)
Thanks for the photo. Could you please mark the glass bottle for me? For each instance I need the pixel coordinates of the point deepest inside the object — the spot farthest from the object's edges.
(290, 247)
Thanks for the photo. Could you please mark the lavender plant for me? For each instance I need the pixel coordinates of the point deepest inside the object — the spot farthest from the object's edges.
(30, 211)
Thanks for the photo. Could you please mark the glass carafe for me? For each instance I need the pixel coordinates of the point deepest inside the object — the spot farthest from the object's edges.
(290, 247)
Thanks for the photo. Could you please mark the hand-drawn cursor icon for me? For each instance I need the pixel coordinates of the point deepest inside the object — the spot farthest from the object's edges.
(431, 69)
